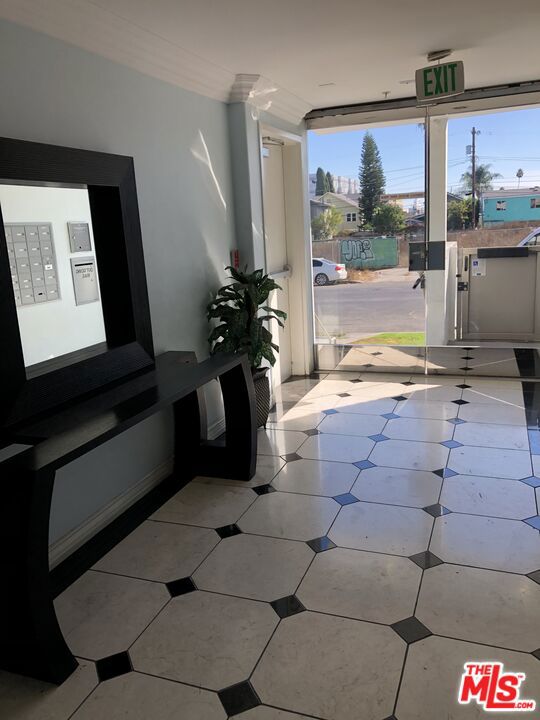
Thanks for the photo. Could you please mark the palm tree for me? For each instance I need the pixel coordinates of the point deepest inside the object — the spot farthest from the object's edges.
(484, 178)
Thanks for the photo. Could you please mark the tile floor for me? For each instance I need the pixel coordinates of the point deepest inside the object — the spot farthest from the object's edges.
(391, 534)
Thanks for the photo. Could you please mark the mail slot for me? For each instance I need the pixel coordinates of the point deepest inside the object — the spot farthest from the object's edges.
(83, 271)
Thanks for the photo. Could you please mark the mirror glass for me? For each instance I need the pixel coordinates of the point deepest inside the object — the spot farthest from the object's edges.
(54, 274)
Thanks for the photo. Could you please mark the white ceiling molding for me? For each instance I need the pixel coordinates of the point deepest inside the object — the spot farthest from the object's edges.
(97, 30)
(265, 95)
(94, 28)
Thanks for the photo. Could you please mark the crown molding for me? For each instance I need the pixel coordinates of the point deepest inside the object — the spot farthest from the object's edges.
(93, 28)
(265, 95)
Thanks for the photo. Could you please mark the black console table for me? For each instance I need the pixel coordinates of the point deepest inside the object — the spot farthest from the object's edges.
(31, 642)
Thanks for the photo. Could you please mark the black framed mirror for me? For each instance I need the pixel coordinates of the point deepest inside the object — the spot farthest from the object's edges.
(74, 311)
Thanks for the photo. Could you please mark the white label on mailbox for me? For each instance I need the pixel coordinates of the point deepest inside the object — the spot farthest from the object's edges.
(48, 267)
(478, 267)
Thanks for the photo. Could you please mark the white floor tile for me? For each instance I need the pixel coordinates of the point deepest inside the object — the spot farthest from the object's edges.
(484, 606)
(279, 442)
(410, 455)
(432, 673)
(316, 477)
(486, 542)
(361, 585)
(382, 528)
(418, 429)
(206, 505)
(490, 462)
(160, 551)
(259, 568)
(499, 414)
(512, 437)
(428, 409)
(415, 488)
(286, 675)
(102, 614)
(205, 640)
(352, 424)
(494, 497)
(286, 515)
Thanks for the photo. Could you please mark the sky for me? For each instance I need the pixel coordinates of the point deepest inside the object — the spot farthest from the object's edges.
(507, 141)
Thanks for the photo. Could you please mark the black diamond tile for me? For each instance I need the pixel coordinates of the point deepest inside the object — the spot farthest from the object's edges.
(451, 444)
(392, 717)
(532, 481)
(113, 666)
(533, 522)
(287, 606)
(344, 394)
(399, 398)
(467, 357)
(456, 421)
(460, 402)
(445, 472)
(264, 489)
(536, 653)
(180, 587)
(468, 348)
(464, 386)
(345, 499)
(228, 531)
(311, 431)
(364, 464)
(369, 365)
(321, 544)
(239, 698)
(291, 457)
(411, 630)
(426, 560)
(436, 510)
(535, 576)
(408, 383)
(357, 380)
(465, 369)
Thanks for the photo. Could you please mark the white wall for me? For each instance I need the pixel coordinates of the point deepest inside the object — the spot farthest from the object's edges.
(57, 327)
(55, 93)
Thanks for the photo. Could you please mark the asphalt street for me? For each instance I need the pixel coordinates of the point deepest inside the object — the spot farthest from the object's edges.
(367, 308)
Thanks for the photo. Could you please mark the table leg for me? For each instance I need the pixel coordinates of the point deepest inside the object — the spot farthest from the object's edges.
(31, 642)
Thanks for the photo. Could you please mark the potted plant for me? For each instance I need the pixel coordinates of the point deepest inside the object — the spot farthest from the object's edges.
(241, 310)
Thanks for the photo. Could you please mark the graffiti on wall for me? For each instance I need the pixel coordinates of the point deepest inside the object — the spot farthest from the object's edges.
(356, 249)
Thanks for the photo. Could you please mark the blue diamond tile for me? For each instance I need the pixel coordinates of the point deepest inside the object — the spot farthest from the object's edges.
(451, 444)
(390, 416)
(445, 473)
(330, 412)
(345, 499)
(400, 398)
(534, 522)
(456, 421)
(364, 464)
(378, 438)
(532, 481)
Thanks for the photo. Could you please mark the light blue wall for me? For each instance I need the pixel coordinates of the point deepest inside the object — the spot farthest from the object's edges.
(55, 93)
(517, 208)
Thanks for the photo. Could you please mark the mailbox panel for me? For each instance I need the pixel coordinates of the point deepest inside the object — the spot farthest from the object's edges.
(85, 285)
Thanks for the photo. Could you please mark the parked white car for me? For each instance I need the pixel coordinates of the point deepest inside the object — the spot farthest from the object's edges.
(532, 239)
(326, 271)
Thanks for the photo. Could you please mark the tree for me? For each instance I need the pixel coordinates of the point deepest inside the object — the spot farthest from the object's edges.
(459, 216)
(484, 178)
(326, 225)
(330, 182)
(371, 176)
(389, 219)
(322, 182)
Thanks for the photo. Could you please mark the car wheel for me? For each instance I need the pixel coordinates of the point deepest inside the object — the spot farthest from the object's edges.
(321, 279)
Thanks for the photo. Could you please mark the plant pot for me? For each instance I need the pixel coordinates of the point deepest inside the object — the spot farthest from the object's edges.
(262, 395)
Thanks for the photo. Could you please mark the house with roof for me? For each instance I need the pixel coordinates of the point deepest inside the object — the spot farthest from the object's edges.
(501, 206)
(347, 207)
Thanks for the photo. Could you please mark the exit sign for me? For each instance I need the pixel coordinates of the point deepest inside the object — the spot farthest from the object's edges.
(440, 81)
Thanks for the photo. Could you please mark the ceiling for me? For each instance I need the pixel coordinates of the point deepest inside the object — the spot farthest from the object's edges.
(319, 53)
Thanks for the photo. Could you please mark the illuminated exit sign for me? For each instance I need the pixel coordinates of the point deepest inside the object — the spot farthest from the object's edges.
(440, 81)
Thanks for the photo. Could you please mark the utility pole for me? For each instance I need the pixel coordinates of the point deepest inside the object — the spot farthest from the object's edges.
(473, 167)
(474, 133)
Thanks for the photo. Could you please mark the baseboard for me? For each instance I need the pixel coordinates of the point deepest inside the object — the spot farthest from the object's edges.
(66, 545)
